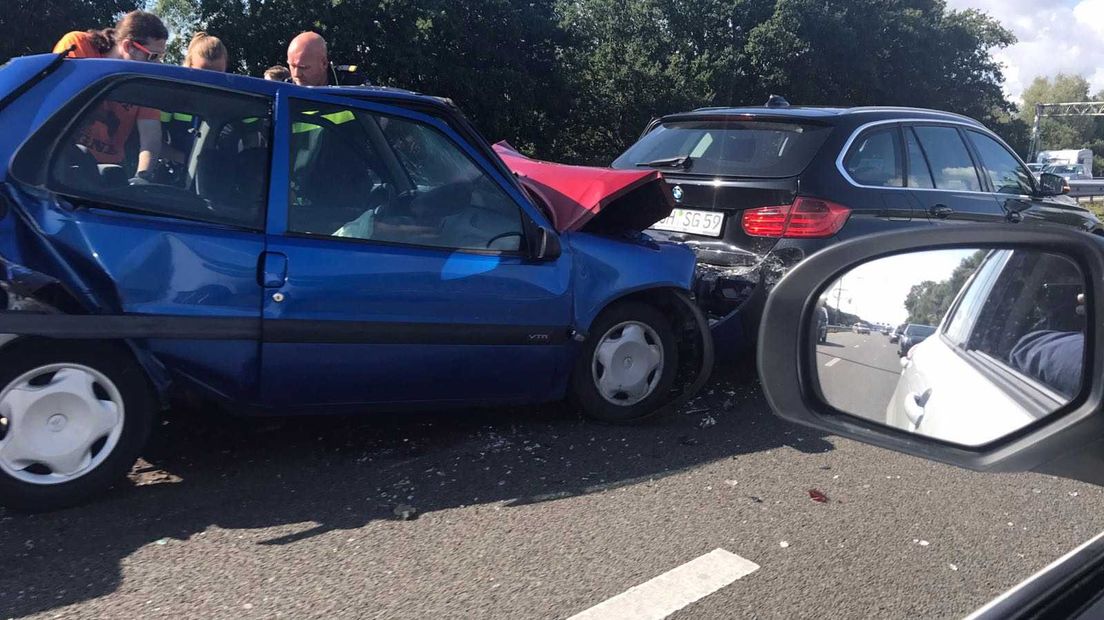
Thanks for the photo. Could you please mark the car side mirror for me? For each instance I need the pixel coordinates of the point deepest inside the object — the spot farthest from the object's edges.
(1002, 346)
(1051, 184)
(547, 246)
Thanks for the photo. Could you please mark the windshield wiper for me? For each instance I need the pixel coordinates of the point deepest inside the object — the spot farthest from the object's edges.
(684, 162)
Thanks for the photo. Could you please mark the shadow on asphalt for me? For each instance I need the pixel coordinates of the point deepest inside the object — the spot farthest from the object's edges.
(204, 469)
(829, 344)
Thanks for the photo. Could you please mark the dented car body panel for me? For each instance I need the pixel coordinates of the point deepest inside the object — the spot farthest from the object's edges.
(273, 321)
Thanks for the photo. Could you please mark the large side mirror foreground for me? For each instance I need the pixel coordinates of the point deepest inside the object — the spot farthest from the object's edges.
(1052, 185)
(1000, 366)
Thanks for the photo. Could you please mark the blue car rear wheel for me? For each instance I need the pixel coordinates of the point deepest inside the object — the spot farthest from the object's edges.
(73, 418)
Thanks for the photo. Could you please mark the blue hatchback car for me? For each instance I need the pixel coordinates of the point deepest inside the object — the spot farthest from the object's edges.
(294, 250)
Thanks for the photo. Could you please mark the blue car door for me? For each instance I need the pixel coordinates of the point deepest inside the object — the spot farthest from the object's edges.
(396, 270)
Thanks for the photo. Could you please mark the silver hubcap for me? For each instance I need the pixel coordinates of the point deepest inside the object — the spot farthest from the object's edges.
(628, 363)
(58, 422)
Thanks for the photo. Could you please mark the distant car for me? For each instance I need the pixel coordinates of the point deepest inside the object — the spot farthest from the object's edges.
(1070, 172)
(861, 328)
(822, 325)
(884, 330)
(1036, 169)
(895, 335)
(913, 335)
(987, 358)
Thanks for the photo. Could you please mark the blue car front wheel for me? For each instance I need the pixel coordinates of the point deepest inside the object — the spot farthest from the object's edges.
(627, 365)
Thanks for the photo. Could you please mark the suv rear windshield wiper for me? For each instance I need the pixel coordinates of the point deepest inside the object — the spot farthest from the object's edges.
(684, 162)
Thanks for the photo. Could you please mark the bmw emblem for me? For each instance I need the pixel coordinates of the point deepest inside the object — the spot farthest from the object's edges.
(677, 193)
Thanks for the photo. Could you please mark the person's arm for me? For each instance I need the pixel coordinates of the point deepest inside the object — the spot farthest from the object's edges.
(149, 143)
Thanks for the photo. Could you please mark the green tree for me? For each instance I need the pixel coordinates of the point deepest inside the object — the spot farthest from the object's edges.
(34, 26)
(497, 59)
(1064, 132)
(878, 52)
(928, 301)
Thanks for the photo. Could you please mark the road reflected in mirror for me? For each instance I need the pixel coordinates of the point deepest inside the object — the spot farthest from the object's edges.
(966, 346)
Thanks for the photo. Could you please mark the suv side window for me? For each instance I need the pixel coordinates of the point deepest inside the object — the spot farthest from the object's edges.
(362, 175)
(1005, 171)
(951, 165)
(875, 159)
(919, 174)
(215, 171)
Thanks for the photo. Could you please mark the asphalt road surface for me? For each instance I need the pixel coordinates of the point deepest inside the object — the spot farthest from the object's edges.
(858, 372)
(535, 514)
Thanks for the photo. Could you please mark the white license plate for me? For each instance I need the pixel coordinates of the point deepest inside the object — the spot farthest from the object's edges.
(706, 223)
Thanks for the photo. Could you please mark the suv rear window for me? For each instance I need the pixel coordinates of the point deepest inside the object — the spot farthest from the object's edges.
(760, 149)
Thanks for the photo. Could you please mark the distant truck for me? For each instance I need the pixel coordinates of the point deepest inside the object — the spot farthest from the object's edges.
(1083, 157)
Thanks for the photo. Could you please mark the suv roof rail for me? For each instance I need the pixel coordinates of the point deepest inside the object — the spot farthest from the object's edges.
(891, 108)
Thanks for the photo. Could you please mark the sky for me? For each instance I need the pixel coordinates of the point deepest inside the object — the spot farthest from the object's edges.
(876, 291)
(1057, 36)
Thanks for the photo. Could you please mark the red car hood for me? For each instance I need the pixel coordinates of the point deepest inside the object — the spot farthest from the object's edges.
(594, 199)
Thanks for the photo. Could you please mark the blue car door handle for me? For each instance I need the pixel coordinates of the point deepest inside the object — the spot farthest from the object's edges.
(273, 269)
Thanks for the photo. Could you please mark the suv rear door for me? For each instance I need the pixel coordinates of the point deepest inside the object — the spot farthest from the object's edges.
(948, 183)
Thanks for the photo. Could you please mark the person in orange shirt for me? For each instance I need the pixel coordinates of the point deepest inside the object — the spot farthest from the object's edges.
(139, 36)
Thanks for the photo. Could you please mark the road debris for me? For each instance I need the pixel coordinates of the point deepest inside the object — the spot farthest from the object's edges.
(405, 512)
(818, 496)
(784, 544)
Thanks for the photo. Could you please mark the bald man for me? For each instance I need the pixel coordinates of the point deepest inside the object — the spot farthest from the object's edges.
(308, 60)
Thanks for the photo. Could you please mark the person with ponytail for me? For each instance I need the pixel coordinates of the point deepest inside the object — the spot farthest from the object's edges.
(206, 52)
(139, 36)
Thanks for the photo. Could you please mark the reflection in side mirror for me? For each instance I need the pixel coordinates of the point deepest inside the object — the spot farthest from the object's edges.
(982, 342)
(548, 245)
(1052, 185)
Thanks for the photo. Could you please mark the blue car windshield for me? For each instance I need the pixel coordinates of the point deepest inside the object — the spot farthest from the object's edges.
(757, 149)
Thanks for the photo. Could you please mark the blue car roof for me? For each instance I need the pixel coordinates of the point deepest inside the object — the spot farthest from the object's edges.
(99, 66)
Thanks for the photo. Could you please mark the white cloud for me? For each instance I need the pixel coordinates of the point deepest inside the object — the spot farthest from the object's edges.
(1057, 37)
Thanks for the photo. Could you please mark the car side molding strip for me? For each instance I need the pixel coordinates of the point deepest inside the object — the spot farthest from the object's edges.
(275, 331)
(366, 332)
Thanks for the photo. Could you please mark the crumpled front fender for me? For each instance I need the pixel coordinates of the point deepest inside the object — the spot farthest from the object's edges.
(610, 268)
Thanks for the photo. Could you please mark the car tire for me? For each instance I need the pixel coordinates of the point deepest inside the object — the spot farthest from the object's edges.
(616, 379)
(76, 416)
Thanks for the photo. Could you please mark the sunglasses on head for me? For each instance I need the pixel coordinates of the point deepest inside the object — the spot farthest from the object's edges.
(150, 56)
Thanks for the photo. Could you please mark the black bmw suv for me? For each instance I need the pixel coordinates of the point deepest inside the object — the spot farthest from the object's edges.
(760, 188)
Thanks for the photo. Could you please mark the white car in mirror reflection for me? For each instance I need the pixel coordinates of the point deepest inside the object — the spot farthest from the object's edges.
(1008, 351)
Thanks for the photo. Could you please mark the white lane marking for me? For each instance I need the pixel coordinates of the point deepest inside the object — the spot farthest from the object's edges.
(835, 360)
(664, 595)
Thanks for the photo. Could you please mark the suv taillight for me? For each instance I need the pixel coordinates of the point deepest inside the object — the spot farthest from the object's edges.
(805, 218)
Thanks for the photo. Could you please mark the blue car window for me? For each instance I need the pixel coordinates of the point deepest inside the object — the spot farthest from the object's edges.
(360, 175)
(211, 164)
